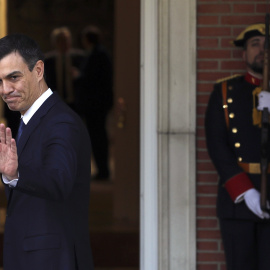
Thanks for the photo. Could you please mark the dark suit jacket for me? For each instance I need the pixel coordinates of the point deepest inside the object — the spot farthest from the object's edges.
(47, 215)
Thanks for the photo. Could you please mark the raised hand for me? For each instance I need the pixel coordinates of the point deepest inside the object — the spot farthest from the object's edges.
(8, 154)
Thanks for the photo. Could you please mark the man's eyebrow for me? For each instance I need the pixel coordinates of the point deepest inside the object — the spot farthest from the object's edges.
(255, 39)
(16, 72)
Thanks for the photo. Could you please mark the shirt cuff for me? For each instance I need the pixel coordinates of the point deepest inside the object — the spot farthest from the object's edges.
(12, 183)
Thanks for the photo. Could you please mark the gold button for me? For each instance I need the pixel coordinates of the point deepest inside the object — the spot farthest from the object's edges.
(225, 106)
(237, 145)
(240, 159)
(230, 87)
(231, 115)
(234, 130)
(229, 100)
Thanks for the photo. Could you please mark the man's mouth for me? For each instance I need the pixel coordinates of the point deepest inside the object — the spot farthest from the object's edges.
(9, 99)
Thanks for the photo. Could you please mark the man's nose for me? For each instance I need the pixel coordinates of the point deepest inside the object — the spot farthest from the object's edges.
(6, 88)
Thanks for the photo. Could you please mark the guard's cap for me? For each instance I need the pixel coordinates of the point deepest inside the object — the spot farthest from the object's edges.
(251, 31)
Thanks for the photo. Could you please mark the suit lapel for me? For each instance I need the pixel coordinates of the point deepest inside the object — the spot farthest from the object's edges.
(35, 120)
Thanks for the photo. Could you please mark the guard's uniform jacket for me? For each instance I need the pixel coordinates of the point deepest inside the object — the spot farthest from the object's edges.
(234, 142)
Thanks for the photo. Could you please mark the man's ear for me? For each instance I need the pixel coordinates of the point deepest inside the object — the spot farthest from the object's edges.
(39, 69)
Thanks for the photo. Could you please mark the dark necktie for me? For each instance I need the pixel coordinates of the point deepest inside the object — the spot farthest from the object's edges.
(20, 130)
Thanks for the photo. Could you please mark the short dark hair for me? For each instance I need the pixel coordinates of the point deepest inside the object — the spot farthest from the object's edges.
(24, 45)
(92, 34)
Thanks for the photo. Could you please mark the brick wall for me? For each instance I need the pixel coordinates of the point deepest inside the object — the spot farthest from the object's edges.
(218, 22)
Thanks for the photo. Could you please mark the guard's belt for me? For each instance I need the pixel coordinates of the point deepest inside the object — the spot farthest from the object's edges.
(253, 168)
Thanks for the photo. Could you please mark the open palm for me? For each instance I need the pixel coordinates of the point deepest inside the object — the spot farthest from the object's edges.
(8, 153)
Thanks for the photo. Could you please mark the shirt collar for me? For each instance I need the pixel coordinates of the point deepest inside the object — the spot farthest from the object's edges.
(31, 111)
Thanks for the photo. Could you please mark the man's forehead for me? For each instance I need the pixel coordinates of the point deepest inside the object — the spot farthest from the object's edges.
(14, 58)
(10, 64)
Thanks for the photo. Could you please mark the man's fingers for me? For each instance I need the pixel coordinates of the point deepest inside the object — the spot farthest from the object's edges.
(8, 136)
(2, 133)
(13, 146)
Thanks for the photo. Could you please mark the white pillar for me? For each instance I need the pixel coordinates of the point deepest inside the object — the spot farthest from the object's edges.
(148, 138)
(168, 119)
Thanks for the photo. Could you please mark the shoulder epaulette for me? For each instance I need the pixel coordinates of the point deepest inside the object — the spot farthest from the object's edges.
(228, 78)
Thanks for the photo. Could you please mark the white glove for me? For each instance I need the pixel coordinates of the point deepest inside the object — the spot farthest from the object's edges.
(264, 101)
(252, 200)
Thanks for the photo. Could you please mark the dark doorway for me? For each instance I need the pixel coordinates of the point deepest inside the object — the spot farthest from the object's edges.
(114, 204)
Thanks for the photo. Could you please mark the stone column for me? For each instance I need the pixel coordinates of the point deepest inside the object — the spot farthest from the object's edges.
(168, 110)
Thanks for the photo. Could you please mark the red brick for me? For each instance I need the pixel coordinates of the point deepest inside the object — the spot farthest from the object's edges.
(210, 257)
(208, 20)
(213, 8)
(200, 132)
(214, 54)
(207, 43)
(206, 212)
(205, 87)
(201, 116)
(202, 155)
(207, 266)
(201, 110)
(243, 8)
(201, 143)
(208, 234)
(202, 99)
(207, 178)
(237, 55)
(206, 189)
(236, 30)
(204, 201)
(208, 224)
(207, 245)
(205, 167)
(240, 19)
(223, 267)
(207, 65)
(262, 8)
(211, 76)
(252, 1)
(200, 120)
(227, 42)
(233, 65)
(213, 31)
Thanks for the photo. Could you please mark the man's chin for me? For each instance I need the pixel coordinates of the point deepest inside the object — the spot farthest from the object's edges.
(257, 69)
(12, 106)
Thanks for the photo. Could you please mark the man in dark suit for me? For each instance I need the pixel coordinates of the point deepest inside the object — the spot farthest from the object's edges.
(94, 91)
(233, 136)
(46, 171)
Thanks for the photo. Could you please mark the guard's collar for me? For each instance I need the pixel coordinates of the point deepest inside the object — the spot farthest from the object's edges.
(253, 80)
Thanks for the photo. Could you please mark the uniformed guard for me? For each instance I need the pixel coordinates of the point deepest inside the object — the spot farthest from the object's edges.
(233, 136)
